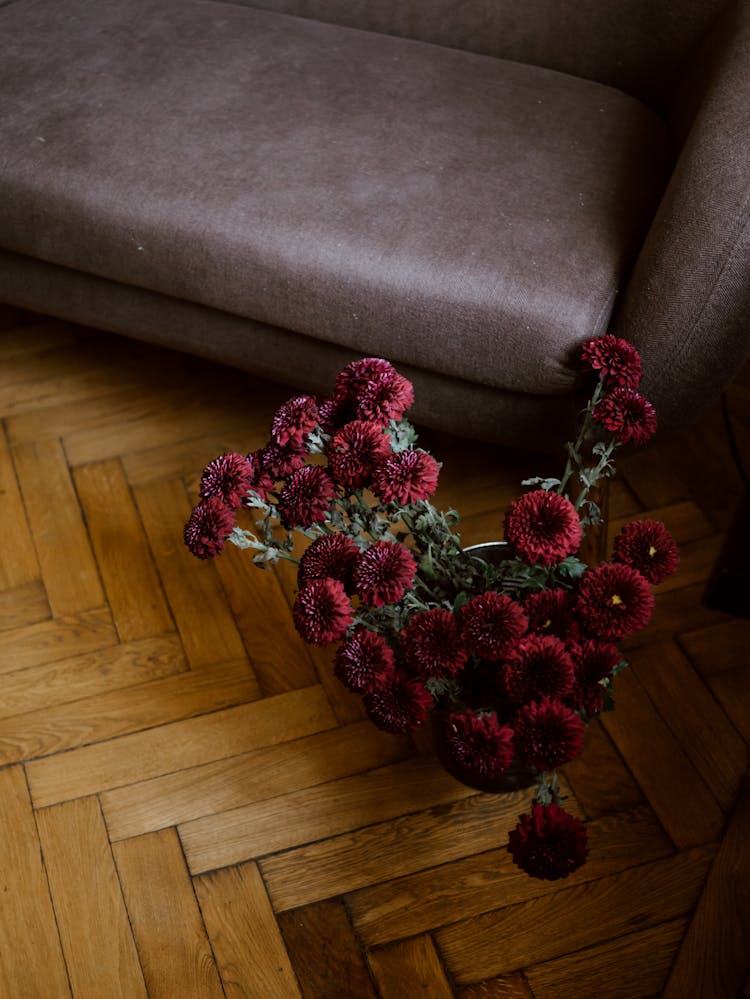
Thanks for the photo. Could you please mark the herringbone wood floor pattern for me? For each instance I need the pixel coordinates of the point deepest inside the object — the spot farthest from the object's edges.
(191, 805)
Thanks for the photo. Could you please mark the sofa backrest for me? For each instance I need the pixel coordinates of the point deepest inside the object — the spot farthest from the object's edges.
(638, 46)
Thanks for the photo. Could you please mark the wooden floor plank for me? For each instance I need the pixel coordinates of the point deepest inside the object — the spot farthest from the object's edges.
(662, 766)
(94, 927)
(245, 936)
(388, 850)
(192, 587)
(687, 706)
(566, 921)
(714, 957)
(325, 953)
(38, 687)
(60, 638)
(52, 730)
(608, 969)
(410, 968)
(600, 779)
(69, 569)
(31, 958)
(731, 688)
(723, 646)
(427, 900)
(134, 591)
(23, 605)
(175, 746)
(174, 950)
(34, 338)
(18, 559)
(280, 657)
(319, 812)
(506, 987)
(263, 773)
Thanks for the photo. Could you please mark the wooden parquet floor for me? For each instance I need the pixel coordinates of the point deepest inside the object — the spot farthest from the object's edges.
(190, 804)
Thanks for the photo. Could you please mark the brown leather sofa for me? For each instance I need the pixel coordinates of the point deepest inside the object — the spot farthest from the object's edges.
(469, 189)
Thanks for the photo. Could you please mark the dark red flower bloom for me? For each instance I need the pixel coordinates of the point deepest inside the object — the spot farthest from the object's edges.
(229, 477)
(627, 415)
(375, 389)
(431, 643)
(261, 479)
(491, 624)
(479, 742)
(306, 496)
(543, 527)
(386, 399)
(322, 611)
(383, 573)
(294, 420)
(550, 843)
(210, 524)
(280, 460)
(355, 453)
(365, 662)
(402, 705)
(407, 477)
(548, 734)
(649, 548)
(594, 661)
(550, 612)
(613, 601)
(616, 360)
(540, 666)
(332, 555)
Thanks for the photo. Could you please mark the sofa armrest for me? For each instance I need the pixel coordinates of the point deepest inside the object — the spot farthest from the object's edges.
(687, 304)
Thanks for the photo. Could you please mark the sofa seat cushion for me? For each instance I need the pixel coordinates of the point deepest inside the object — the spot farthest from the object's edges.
(454, 212)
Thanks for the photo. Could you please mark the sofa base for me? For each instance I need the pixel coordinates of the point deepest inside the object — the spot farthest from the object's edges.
(522, 421)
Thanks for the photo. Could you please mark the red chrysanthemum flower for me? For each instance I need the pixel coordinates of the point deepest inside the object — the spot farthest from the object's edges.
(355, 453)
(386, 399)
(280, 460)
(550, 843)
(375, 389)
(322, 611)
(333, 556)
(365, 662)
(543, 527)
(550, 612)
(261, 478)
(491, 624)
(539, 666)
(616, 360)
(383, 573)
(649, 548)
(431, 644)
(229, 477)
(613, 601)
(594, 661)
(548, 734)
(210, 523)
(294, 420)
(306, 496)
(407, 477)
(479, 743)
(402, 705)
(626, 414)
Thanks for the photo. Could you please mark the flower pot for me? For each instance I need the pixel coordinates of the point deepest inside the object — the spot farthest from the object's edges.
(516, 776)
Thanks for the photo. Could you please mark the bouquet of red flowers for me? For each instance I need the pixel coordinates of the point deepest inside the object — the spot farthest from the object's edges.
(514, 654)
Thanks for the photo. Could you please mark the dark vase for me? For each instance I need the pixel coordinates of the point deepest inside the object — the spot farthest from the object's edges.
(516, 776)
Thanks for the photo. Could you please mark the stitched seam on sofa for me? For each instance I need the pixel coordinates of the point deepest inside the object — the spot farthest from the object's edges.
(728, 259)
